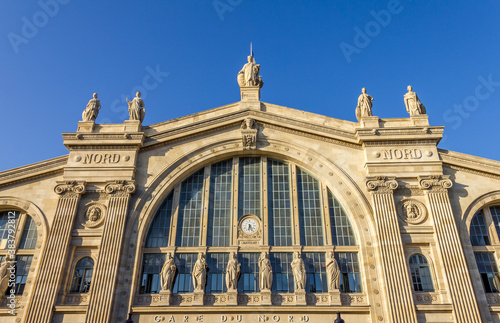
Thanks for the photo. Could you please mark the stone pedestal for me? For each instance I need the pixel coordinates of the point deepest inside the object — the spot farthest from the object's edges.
(198, 296)
(232, 297)
(369, 122)
(265, 297)
(334, 297)
(300, 297)
(250, 93)
(165, 296)
(85, 126)
(421, 120)
(132, 126)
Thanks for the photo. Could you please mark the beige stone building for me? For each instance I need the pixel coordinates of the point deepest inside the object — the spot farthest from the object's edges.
(271, 191)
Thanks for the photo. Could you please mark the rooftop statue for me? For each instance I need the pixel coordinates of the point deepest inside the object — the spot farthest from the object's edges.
(364, 108)
(92, 110)
(413, 105)
(136, 109)
(249, 74)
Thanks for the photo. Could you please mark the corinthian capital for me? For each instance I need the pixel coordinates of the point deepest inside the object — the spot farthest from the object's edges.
(120, 187)
(435, 182)
(381, 183)
(70, 187)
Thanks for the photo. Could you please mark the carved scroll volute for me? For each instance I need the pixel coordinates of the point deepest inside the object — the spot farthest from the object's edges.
(120, 187)
(439, 183)
(70, 188)
(381, 184)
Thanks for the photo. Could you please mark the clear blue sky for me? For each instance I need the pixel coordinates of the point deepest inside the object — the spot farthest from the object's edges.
(312, 57)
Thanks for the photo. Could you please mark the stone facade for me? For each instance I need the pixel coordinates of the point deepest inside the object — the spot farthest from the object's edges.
(403, 196)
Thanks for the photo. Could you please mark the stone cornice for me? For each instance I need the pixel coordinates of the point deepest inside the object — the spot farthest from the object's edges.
(471, 164)
(36, 170)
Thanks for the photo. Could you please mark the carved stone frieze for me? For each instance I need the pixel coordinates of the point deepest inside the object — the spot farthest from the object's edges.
(426, 298)
(381, 184)
(248, 299)
(78, 299)
(352, 299)
(412, 211)
(70, 187)
(317, 299)
(440, 183)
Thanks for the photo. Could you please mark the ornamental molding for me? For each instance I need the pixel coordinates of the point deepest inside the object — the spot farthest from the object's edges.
(381, 184)
(34, 171)
(439, 183)
(71, 187)
(471, 171)
(412, 211)
(385, 143)
(94, 215)
(120, 187)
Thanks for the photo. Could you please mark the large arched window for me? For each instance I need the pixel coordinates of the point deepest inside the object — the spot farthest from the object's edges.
(420, 274)
(485, 240)
(288, 207)
(18, 232)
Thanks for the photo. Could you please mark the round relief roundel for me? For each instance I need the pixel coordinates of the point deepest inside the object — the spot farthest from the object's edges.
(412, 211)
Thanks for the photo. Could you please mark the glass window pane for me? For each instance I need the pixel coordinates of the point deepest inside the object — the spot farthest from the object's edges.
(216, 273)
(249, 278)
(310, 216)
(8, 227)
(495, 214)
(190, 207)
(249, 186)
(219, 211)
(478, 231)
(183, 282)
(316, 281)
(489, 271)
(350, 278)
(29, 237)
(82, 275)
(421, 274)
(22, 270)
(160, 228)
(282, 272)
(280, 218)
(151, 269)
(342, 232)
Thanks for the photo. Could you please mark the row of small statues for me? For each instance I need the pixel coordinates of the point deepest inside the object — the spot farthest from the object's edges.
(136, 109)
(413, 105)
(199, 272)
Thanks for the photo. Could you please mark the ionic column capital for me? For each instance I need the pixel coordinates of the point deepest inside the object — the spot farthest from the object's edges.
(120, 187)
(381, 184)
(70, 187)
(435, 182)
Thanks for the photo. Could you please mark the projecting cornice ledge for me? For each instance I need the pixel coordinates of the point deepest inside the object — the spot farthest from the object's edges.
(470, 164)
(36, 170)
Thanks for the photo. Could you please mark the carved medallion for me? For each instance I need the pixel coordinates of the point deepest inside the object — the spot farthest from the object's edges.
(94, 215)
(412, 211)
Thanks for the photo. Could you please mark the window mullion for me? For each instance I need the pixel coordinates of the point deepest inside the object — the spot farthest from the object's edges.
(175, 215)
(327, 231)
(264, 205)
(21, 222)
(234, 215)
(295, 204)
(204, 211)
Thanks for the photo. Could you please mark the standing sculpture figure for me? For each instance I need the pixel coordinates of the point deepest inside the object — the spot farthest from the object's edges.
(4, 278)
(265, 272)
(92, 110)
(249, 74)
(232, 272)
(299, 272)
(333, 273)
(136, 109)
(413, 105)
(168, 273)
(364, 108)
(200, 272)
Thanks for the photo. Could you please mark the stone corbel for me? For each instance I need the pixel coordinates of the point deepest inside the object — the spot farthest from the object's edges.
(381, 184)
(120, 187)
(249, 131)
(439, 183)
(70, 188)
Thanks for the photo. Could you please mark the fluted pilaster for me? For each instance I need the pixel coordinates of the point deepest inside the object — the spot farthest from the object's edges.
(52, 264)
(400, 307)
(460, 287)
(106, 269)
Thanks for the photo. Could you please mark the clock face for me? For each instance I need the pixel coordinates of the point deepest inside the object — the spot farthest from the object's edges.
(249, 225)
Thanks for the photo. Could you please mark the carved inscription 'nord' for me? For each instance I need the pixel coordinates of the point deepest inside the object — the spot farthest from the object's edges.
(101, 159)
(405, 153)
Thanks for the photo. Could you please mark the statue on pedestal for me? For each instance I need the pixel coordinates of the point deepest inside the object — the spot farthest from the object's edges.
(249, 74)
(299, 272)
(232, 272)
(200, 272)
(413, 105)
(136, 109)
(168, 273)
(266, 272)
(364, 108)
(92, 110)
(332, 272)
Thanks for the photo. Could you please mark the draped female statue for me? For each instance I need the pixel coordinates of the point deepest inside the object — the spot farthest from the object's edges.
(266, 272)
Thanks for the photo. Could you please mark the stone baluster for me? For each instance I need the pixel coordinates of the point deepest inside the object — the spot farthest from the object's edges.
(400, 306)
(53, 261)
(106, 270)
(462, 295)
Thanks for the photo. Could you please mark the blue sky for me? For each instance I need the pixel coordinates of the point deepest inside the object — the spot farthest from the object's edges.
(314, 55)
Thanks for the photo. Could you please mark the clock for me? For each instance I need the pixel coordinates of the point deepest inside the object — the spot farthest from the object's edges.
(249, 225)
